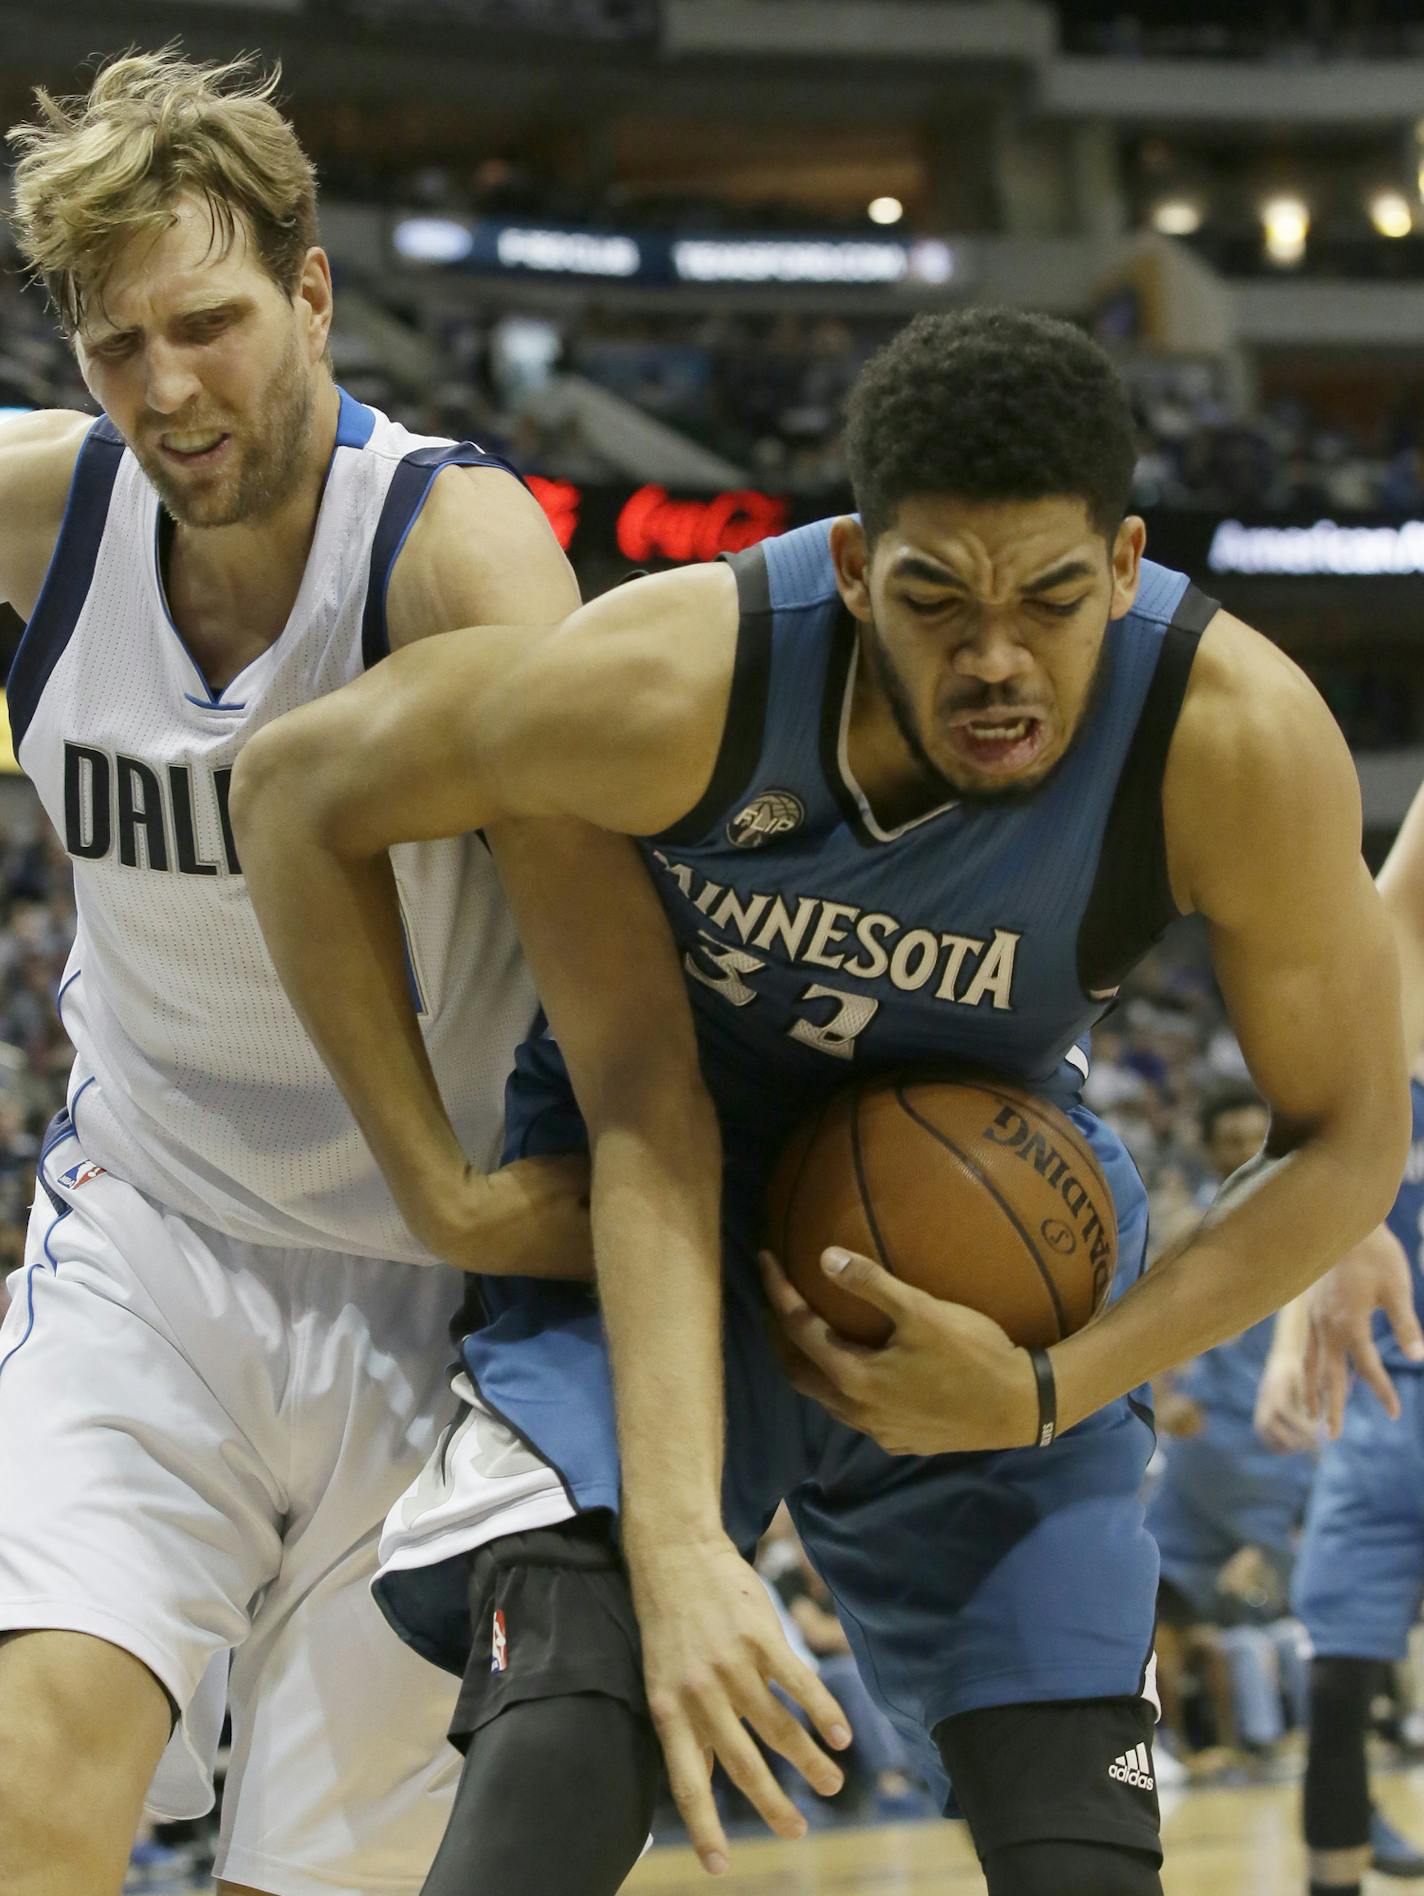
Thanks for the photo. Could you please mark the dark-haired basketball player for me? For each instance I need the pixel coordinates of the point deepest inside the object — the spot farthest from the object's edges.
(917, 787)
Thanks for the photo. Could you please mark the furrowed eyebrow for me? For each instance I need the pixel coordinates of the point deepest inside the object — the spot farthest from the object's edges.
(911, 566)
(1059, 576)
(201, 313)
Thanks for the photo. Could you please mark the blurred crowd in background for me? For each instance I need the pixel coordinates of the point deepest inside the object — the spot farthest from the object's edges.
(767, 394)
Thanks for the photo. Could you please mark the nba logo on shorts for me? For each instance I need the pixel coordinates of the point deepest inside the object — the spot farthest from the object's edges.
(499, 1643)
(773, 814)
(78, 1175)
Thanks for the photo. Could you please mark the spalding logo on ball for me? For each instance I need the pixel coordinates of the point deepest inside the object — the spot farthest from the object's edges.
(963, 1184)
(767, 818)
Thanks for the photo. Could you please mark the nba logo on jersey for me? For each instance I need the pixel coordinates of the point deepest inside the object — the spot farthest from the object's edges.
(81, 1174)
(775, 813)
(499, 1644)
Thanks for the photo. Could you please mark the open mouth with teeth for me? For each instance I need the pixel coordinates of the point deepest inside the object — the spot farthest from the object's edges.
(195, 449)
(999, 744)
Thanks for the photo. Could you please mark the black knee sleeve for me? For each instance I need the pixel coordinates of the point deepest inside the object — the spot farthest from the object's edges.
(1337, 1788)
(555, 1799)
(1053, 1867)
(551, 1615)
(1066, 1774)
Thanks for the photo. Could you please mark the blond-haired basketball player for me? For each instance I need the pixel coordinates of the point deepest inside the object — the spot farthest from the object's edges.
(226, 1352)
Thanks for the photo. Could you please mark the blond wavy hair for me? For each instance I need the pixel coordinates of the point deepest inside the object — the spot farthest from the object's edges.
(111, 164)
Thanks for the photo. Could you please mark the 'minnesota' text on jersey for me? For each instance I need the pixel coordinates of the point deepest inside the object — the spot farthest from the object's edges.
(989, 932)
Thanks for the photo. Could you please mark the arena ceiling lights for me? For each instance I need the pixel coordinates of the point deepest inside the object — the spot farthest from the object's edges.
(650, 257)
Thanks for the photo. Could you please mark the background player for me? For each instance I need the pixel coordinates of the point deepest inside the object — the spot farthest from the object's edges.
(1360, 1577)
(214, 1378)
(1223, 1492)
(981, 712)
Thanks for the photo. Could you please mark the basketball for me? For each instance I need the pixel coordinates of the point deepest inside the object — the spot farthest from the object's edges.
(971, 1189)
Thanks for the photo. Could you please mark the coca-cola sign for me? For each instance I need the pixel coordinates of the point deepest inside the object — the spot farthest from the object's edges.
(654, 526)
(651, 527)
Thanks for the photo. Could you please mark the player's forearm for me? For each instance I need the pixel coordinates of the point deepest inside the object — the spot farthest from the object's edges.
(656, 1192)
(1278, 1224)
(334, 932)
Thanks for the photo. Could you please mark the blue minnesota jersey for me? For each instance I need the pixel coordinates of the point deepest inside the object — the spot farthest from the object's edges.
(989, 933)
(1406, 1221)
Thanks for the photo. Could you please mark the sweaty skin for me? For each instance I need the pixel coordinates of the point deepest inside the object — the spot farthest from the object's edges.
(987, 614)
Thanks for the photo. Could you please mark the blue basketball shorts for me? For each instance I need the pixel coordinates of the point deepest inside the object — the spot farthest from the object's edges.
(963, 1581)
(1359, 1578)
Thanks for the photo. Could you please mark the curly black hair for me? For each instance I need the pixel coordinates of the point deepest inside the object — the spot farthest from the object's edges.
(985, 405)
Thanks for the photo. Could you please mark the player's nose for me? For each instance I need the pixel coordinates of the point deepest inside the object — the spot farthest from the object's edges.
(170, 383)
(995, 653)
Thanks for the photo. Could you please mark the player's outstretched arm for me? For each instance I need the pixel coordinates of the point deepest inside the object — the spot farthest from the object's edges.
(1263, 828)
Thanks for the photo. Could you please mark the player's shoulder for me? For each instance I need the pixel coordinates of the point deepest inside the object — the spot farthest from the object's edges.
(1247, 702)
(658, 651)
(1255, 754)
(480, 551)
(37, 457)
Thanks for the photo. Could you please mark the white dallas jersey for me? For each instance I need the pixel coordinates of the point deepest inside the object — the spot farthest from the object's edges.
(193, 1078)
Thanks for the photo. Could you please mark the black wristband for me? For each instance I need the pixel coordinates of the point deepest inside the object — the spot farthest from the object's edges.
(1047, 1397)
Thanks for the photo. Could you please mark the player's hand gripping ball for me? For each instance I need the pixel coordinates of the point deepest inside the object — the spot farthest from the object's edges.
(968, 1188)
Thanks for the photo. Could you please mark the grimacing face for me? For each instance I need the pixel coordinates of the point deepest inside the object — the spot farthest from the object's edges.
(984, 623)
(207, 368)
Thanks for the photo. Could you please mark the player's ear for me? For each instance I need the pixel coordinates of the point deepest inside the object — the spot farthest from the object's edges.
(314, 295)
(850, 551)
(1127, 551)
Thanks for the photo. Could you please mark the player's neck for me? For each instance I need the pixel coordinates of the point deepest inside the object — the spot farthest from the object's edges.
(892, 779)
(231, 589)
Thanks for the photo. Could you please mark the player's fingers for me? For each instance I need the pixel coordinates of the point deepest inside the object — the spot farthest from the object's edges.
(1310, 1372)
(807, 1380)
(1398, 1301)
(783, 1296)
(749, 1771)
(820, 1706)
(1334, 1386)
(779, 1728)
(863, 1277)
(690, 1781)
(1371, 1371)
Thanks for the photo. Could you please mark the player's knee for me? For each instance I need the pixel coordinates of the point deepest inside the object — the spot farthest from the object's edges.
(81, 1723)
(1341, 1689)
(1052, 1867)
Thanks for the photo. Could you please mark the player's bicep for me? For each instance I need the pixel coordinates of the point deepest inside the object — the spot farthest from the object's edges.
(1307, 1001)
(1300, 939)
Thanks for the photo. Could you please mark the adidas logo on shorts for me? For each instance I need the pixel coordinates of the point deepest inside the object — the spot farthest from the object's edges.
(1135, 1768)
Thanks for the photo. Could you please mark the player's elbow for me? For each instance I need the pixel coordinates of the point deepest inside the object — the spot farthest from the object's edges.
(1370, 1139)
(282, 782)
(1389, 1146)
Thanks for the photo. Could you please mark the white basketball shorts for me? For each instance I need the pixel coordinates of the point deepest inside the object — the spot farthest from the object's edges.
(201, 1440)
